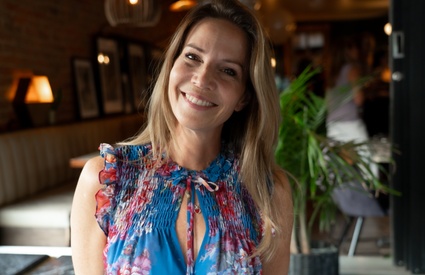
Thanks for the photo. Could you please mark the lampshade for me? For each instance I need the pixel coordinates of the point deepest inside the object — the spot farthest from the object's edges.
(140, 13)
(32, 101)
(39, 90)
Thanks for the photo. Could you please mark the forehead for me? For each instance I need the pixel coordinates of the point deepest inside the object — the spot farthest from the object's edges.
(219, 34)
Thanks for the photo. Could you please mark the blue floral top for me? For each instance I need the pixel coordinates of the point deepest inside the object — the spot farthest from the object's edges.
(138, 207)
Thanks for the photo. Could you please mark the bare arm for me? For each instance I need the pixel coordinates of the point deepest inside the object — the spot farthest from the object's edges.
(282, 199)
(87, 239)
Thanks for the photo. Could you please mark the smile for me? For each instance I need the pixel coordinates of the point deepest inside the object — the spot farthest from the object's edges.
(198, 101)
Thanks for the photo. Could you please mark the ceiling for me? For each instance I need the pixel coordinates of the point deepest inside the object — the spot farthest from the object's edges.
(300, 11)
(330, 10)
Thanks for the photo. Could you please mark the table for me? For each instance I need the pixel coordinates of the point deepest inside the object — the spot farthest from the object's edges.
(17, 264)
(80, 161)
(381, 150)
(51, 265)
(35, 260)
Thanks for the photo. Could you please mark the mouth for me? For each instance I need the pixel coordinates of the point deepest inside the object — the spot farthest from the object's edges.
(198, 102)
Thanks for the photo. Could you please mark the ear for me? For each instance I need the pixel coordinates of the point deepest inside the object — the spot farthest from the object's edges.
(243, 101)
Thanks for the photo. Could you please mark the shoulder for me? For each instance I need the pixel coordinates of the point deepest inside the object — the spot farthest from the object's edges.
(283, 209)
(282, 189)
(89, 177)
(94, 163)
(282, 201)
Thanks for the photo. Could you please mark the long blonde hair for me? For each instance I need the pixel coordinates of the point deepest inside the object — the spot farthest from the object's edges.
(253, 130)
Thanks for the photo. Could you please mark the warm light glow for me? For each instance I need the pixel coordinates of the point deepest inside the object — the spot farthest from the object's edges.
(386, 75)
(291, 27)
(133, 2)
(100, 58)
(273, 61)
(257, 6)
(182, 5)
(388, 29)
(39, 90)
(103, 59)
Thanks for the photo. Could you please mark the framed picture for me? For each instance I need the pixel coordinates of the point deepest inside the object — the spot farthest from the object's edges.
(85, 88)
(108, 60)
(137, 74)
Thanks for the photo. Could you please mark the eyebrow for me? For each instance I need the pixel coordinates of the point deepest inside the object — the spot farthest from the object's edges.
(225, 60)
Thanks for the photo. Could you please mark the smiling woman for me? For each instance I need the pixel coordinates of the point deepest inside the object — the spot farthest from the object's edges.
(199, 185)
(207, 81)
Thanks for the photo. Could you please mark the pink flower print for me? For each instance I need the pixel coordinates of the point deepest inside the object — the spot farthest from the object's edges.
(166, 169)
(229, 244)
(110, 158)
(103, 201)
(210, 252)
(113, 234)
(125, 269)
(190, 259)
(108, 176)
(128, 250)
(242, 256)
(142, 264)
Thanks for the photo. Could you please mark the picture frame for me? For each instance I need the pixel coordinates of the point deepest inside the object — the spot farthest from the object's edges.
(136, 58)
(85, 88)
(108, 60)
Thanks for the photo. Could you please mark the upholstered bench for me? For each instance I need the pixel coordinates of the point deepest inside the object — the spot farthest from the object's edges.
(36, 182)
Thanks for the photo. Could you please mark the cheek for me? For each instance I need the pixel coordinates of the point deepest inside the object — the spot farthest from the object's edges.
(173, 82)
(241, 99)
(173, 77)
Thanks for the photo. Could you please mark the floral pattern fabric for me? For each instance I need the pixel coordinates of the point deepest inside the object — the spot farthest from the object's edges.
(139, 203)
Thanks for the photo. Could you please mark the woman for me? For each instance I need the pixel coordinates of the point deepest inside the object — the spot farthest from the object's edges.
(198, 190)
(345, 98)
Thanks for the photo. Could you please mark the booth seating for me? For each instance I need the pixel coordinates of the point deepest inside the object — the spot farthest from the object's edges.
(36, 182)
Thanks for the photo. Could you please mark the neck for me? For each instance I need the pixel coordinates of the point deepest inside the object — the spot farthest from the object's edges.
(194, 151)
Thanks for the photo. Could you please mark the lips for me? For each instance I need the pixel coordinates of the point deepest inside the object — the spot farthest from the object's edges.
(198, 102)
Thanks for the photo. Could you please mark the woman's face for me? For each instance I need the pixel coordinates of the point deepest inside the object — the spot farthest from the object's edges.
(208, 78)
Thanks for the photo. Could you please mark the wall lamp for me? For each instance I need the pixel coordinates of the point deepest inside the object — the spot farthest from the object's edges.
(32, 101)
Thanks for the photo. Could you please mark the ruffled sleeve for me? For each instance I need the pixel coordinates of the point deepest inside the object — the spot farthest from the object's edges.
(107, 177)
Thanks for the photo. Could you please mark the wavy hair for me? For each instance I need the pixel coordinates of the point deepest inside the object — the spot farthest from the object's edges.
(253, 130)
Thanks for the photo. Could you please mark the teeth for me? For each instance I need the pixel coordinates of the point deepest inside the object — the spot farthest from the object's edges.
(199, 102)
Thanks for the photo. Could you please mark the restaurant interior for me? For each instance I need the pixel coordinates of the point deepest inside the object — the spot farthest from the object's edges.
(77, 73)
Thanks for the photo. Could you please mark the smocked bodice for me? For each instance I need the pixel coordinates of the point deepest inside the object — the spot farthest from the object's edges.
(140, 202)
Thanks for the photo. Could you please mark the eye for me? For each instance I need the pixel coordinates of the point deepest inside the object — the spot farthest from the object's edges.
(230, 72)
(192, 56)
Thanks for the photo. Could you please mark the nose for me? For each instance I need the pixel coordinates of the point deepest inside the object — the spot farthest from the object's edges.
(203, 78)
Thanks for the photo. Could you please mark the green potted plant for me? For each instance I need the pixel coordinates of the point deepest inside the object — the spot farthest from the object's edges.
(316, 165)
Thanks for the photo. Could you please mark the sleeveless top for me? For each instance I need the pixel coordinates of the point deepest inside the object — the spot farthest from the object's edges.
(137, 209)
(340, 99)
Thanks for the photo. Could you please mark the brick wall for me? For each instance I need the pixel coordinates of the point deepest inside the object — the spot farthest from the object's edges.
(41, 37)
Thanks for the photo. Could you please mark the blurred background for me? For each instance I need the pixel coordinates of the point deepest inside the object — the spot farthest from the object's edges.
(100, 56)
